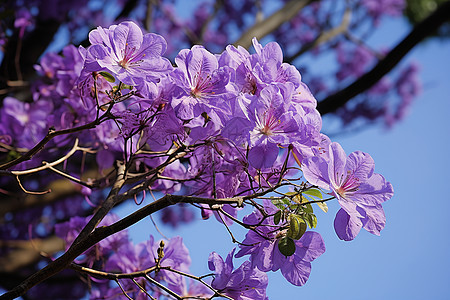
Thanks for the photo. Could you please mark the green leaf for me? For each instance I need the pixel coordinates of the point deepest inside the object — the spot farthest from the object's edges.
(313, 192)
(286, 201)
(286, 246)
(308, 209)
(311, 219)
(298, 208)
(279, 204)
(108, 76)
(297, 227)
(323, 206)
(126, 87)
(277, 217)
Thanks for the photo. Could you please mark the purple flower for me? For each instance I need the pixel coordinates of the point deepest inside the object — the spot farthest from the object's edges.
(128, 54)
(268, 122)
(23, 20)
(5, 136)
(255, 71)
(219, 167)
(378, 8)
(352, 62)
(244, 283)
(25, 122)
(359, 190)
(203, 85)
(265, 255)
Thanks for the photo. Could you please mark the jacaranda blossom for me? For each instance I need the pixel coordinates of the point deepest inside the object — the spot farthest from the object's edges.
(265, 255)
(204, 86)
(268, 122)
(244, 283)
(128, 54)
(359, 190)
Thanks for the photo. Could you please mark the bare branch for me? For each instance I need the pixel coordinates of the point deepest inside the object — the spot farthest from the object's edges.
(106, 206)
(324, 36)
(144, 273)
(426, 28)
(30, 192)
(72, 178)
(48, 165)
(89, 237)
(123, 291)
(162, 287)
(266, 26)
(50, 135)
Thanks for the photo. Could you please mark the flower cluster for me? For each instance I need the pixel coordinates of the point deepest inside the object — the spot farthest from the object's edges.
(263, 247)
(242, 121)
(359, 190)
(245, 282)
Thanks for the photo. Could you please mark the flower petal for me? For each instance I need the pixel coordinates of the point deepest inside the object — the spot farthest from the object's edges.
(263, 155)
(361, 165)
(315, 170)
(346, 227)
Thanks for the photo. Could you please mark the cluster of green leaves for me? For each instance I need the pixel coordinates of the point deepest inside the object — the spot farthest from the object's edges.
(296, 211)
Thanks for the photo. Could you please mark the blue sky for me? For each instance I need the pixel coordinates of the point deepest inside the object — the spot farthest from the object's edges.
(410, 260)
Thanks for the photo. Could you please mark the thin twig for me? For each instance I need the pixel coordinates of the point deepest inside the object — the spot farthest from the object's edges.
(48, 165)
(52, 134)
(162, 287)
(30, 192)
(142, 289)
(123, 291)
(72, 178)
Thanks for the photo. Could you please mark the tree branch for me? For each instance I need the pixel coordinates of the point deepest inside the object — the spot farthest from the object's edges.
(82, 244)
(262, 28)
(46, 165)
(426, 28)
(324, 36)
(50, 135)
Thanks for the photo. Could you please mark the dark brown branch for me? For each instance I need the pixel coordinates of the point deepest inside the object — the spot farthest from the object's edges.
(426, 28)
(61, 188)
(81, 245)
(157, 205)
(143, 273)
(106, 206)
(268, 25)
(128, 7)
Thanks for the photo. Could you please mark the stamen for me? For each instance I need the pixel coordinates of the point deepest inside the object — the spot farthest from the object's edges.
(348, 185)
